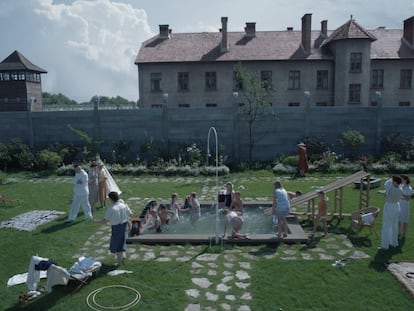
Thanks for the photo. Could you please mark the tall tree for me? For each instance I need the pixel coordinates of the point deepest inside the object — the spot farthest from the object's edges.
(255, 89)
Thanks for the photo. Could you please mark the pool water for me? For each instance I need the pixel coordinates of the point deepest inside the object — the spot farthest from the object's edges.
(255, 222)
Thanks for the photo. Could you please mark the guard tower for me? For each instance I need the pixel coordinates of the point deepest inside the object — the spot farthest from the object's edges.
(20, 84)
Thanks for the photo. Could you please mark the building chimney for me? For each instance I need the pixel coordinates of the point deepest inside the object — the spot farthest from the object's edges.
(164, 31)
(250, 30)
(306, 32)
(324, 28)
(322, 35)
(408, 34)
(224, 47)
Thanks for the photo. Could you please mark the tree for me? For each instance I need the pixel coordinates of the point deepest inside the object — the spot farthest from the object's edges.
(57, 99)
(351, 140)
(256, 92)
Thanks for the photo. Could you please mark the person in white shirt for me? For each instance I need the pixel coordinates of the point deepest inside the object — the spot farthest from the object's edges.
(393, 194)
(80, 195)
(117, 215)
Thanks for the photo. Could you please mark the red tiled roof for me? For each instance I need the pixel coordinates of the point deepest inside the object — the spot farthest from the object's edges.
(16, 61)
(266, 45)
(350, 30)
(195, 47)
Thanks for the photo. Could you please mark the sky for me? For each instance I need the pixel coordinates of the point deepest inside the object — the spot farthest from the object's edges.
(88, 47)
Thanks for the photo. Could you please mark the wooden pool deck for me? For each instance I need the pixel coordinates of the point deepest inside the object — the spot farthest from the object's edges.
(296, 235)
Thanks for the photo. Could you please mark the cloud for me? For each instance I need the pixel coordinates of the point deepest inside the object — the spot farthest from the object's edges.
(87, 47)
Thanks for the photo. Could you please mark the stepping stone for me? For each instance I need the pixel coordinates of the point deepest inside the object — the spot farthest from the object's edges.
(196, 265)
(242, 275)
(183, 258)
(202, 282)
(208, 257)
(230, 297)
(148, 256)
(245, 265)
(242, 285)
(244, 308)
(228, 265)
(211, 296)
(212, 265)
(225, 306)
(223, 288)
(246, 296)
(212, 272)
(192, 293)
(193, 307)
(163, 259)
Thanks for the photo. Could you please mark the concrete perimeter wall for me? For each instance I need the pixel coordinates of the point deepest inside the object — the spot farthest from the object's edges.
(275, 132)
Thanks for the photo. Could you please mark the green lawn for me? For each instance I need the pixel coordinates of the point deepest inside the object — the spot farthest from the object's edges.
(275, 283)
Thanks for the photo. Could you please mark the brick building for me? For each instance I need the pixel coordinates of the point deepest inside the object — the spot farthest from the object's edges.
(20, 84)
(348, 66)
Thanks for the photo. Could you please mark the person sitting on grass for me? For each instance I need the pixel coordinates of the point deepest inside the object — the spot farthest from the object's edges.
(322, 212)
(236, 222)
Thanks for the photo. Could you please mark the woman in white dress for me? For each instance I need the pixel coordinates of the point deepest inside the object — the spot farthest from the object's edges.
(405, 205)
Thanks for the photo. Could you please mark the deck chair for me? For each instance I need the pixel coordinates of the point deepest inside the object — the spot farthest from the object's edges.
(80, 273)
(365, 218)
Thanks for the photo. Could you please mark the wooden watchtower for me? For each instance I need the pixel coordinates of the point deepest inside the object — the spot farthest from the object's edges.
(20, 84)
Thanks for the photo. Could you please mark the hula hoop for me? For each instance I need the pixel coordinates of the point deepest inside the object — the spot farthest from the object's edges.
(94, 305)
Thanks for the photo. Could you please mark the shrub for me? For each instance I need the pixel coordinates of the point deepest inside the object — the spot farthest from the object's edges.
(65, 170)
(394, 143)
(316, 146)
(283, 169)
(48, 160)
(291, 161)
(20, 156)
(351, 140)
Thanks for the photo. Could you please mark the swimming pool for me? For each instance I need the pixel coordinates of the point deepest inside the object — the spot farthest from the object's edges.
(258, 226)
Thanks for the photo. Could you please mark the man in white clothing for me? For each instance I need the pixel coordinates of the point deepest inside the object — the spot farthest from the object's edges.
(80, 195)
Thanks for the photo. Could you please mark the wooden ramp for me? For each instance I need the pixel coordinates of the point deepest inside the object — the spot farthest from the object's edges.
(337, 186)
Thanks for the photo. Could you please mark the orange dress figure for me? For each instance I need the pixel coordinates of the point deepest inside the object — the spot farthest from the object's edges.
(303, 159)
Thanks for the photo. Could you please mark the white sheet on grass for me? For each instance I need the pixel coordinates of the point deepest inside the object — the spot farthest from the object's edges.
(30, 220)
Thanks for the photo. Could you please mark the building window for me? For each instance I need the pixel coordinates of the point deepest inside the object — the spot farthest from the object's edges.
(266, 76)
(4, 76)
(183, 81)
(156, 82)
(356, 62)
(183, 105)
(405, 78)
(377, 81)
(294, 79)
(14, 76)
(211, 105)
(237, 82)
(321, 104)
(293, 104)
(211, 81)
(156, 106)
(322, 79)
(404, 104)
(355, 93)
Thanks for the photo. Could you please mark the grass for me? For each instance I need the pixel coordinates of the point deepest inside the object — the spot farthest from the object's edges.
(275, 283)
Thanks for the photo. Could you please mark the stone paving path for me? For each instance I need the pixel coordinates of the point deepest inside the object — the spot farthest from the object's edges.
(234, 281)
